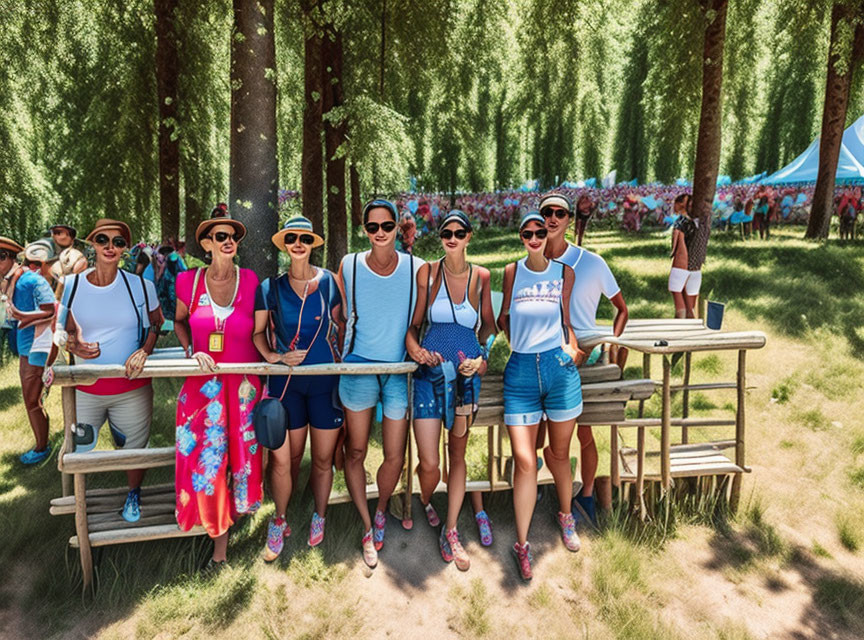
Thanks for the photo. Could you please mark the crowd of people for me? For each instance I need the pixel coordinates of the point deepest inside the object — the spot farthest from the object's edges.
(380, 306)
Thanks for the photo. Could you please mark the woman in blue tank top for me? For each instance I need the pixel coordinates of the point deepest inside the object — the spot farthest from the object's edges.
(540, 377)
(453, 301)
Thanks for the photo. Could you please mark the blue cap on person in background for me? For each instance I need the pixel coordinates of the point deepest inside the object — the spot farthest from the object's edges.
(382, 203)
(531, 216)
(556, 199)
(456, 215)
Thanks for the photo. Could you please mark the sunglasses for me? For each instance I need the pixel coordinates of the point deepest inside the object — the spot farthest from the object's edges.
(305, 238)
(539, 233)
(222, 236)
(372, 227)
(446, 234)
(548, 212)
(118, 241)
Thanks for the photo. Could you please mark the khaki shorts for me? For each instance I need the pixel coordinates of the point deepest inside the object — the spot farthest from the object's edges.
(128, 415)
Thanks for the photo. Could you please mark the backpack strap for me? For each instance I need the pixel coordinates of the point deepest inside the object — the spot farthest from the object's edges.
(73, 292)
(353, 306)
(135, 307)
(193, 302)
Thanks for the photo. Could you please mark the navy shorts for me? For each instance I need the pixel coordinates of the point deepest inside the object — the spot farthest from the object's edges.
(309, 400)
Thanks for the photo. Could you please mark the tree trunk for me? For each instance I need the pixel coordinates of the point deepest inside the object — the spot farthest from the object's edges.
(169, 143)
(356, 200)
(334, 138)
(707, 163)
(194, 210)
(254, 164)
(312, 178)
(837, 84)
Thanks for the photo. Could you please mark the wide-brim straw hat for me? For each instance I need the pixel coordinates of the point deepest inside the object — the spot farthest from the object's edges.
(299, 225)
(220, 216)
(10, 245)
(107, 224)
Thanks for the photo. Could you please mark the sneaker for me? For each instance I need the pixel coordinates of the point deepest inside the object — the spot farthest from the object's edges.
(484, 526)
(585, 506)
(444, 545)
(35, 457)
(370, 554)
(522, 554)
(132, 507)
(213, 568)
(431, 515)
(316, 530)
(378, 527)
(277, 531)
(460, 556)
(568, 531)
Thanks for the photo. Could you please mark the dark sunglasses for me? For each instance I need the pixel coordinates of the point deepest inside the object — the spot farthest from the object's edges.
(539, 233)
(5, 255)
(222, 236)
(446, 234)
(118, 241)
(372, 227)
(305, 238)
(548, 212)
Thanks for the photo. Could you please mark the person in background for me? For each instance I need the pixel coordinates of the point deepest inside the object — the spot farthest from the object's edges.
(112, 317)
(408, 231)
(683, 284)
(218, 459)
(592, 279)
(584, 210)
(63, 236)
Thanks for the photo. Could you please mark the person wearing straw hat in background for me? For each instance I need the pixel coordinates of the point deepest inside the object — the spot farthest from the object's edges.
(112, 318)
(218, 459)
(28, 303)
(302, 312)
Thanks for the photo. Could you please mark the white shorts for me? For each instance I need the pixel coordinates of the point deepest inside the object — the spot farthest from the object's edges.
(683, 280)
(128, 415)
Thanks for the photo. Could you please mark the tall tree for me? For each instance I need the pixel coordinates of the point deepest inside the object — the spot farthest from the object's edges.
(169, 140)
(335, 127)
(707, 163)
(312, 177)
(254, 174)
(847, 49)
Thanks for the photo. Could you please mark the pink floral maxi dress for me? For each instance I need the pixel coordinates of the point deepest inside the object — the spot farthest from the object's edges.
(218, 468)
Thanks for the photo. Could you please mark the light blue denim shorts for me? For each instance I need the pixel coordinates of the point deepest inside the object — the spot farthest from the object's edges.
(538, 383)
(361, 392)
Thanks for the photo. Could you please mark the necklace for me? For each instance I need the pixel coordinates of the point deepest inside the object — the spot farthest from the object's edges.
(382, 267)
(456, 273)
(311, 277)
(216, 342)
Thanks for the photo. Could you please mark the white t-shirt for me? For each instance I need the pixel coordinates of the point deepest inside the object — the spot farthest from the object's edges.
(105, 314)
(593, 278)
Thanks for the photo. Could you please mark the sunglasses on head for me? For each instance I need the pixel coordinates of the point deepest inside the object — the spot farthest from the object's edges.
(305, 238)
(559, 213)
(372, 227)
(539, 233)
(446, 234)
(118, 241)
(222, 236)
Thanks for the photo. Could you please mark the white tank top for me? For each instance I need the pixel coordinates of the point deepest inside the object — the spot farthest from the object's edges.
(536, 323)
(443, 309)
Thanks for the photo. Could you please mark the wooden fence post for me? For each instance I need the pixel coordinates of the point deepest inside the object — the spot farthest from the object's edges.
(741, 389)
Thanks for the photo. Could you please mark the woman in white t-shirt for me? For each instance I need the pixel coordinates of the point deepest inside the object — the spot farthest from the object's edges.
(112, 317)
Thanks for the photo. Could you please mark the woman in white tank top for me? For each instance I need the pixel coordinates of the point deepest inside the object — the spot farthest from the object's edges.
(455, 303)
(540, 377)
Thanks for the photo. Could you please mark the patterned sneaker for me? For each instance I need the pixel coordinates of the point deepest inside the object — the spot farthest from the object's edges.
(523, 560)
(568, 531)
(378, 527)
(431, 515)
(370, 554)
(277, 531)
(35, 457)
(316, 530)
(444, 545)
(132, 508)
(460, 556)
(484, 526)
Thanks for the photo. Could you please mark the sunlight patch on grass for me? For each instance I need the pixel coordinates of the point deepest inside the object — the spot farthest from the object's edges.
(813, 419)
(710, 364)
(472, 604)
(819, 551)
(308, 568)
(847, 533)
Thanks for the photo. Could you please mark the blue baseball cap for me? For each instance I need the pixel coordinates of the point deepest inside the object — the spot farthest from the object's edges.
(382, 203)
(531, 216)
(456, 215)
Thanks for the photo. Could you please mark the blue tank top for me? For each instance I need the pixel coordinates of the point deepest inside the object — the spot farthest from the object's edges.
(536, 321)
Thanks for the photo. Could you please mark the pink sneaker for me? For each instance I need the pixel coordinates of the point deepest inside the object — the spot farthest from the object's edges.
(316, 530)
(568, 531)
(460, 556)
(444, 545)
(370, 555)
(431, 515)
(277, 531)
(523, 560)
(378, 526)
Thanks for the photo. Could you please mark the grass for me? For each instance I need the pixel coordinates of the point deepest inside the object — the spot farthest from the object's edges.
(847, 534)
(472, 606)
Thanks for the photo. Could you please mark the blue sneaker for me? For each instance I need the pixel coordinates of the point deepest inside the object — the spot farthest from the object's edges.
(35, 457)
(585, 505)
(132, 509)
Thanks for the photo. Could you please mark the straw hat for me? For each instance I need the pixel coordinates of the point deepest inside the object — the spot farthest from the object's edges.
(218, 216)
(107, 224)
(298, 225)
(10, 245)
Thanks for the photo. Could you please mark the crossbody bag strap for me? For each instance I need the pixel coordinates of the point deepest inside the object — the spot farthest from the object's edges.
(353, 306)
(193, 303)
(411, 275)
(134, 306)
(146, 300)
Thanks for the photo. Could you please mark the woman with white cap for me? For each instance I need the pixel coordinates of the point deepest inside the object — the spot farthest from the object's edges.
(302, 310)
(218, 467)
(540, 377)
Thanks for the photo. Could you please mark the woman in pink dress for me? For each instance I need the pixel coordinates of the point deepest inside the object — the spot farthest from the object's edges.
(218, 469)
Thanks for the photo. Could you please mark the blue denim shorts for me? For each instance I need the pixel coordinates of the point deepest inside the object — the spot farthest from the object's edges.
(430, 397)
(360, 392)
(537, 383)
